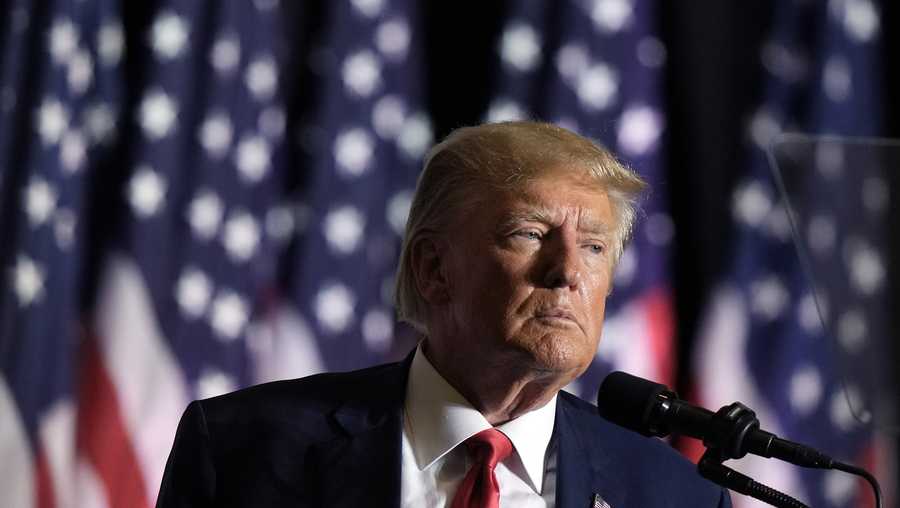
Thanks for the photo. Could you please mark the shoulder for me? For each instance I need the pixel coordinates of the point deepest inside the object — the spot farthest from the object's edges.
(309, 400)
(648, 465)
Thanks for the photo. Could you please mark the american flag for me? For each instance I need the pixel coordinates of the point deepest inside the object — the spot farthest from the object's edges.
(190, 209)
(763, 342)
(596, 67)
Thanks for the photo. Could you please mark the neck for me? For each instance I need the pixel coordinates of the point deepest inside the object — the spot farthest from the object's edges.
(498, 392)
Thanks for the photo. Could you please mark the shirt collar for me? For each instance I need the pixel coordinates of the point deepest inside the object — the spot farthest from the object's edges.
(439, 418)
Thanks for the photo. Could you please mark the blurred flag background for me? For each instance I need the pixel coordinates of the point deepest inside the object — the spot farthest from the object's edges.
(199, 196)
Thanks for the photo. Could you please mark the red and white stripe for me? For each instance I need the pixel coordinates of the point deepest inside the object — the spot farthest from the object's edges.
(107, 448)
(722, 377)
(640, 338)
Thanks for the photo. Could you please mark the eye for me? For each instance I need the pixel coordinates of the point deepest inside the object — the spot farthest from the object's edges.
(529, 234)
(596, 248)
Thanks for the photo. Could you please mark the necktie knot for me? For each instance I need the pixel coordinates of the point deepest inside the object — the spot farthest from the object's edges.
(479, 489)
(489, 447)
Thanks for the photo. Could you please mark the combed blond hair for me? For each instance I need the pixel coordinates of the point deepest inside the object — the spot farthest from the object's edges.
(472, 161)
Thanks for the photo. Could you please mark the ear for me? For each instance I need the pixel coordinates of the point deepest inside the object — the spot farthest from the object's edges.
(428, 260)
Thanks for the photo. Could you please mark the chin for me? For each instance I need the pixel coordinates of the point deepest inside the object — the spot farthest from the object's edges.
(562, 354)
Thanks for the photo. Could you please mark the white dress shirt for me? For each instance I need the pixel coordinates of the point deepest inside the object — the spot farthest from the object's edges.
(437, 419)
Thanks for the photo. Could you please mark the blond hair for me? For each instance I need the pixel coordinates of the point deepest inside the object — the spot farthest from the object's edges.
(504, 156)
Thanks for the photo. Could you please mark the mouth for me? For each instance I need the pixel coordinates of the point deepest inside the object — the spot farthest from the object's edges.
(556, 316)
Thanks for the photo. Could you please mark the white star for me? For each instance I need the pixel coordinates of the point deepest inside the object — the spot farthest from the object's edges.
(80, 72)
(52, 121)
(378, 330)
(520, 47)
(369, 8)
(847, 409)
(215, 134)
(40, 201)
(571, 61)
(225, 54)
(280, 222)
(805, 390)
(821, 234)
(837, 79)
(343, 228)
(193, 292)
(392, 38)
(146, 192)
(388, 116)
(398, 210)
(415, 138)
(769, 297)
(503, 109)
(639, 129)
(651, 52)
(240, 236)
(861, 19)
(253, 158)
(597, 87)
(852, 330)
(840, 488)
(808, 314)
(169, 35)
(205, 214)
(353, 151)
(875, 194)
(100, 122)
(611, 15)
(830, 159)
(110, 43)
(334, 305)
(64, 222)
(158, 114)
(213, 383)
(752, 203)
(763, 127)
(271, 122)
(659, 229)
(361, 73)
(867, 272)
(72, 151)
(783, 62)
(228, 315)
(28, 281)
(63, 40)
(778, 224)
(262, 78)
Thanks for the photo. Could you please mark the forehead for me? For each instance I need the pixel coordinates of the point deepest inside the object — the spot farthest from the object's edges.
(555, 198)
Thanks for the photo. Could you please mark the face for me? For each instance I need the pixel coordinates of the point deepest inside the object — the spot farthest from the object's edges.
(528, 273)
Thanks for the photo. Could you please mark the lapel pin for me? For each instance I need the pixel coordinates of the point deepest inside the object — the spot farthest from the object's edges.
(598, 502)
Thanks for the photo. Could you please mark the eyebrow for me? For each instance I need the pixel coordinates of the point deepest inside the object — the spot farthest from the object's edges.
(537, 213)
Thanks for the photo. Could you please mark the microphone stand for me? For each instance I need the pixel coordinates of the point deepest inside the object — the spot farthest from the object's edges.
(730, 426)
(711, 468)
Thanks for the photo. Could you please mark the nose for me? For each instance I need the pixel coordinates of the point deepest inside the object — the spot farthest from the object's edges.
(563, 263)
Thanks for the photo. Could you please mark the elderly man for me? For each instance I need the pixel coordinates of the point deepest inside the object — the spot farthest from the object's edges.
(510, 247)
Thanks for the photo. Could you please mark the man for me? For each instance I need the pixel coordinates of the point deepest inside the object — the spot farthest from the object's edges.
(510, 247)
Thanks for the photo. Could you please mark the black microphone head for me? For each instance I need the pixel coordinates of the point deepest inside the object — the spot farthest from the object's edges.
(629, 401)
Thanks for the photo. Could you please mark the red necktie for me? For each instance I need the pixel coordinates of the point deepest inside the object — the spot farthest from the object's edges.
(479, 489)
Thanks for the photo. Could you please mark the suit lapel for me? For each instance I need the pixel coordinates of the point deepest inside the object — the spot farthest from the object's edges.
(583, 470)
(361, 467)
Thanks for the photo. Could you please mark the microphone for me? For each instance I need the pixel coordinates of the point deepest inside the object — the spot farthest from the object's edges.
(652, 409)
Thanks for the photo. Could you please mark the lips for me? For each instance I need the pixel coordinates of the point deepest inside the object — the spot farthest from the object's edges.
(555, 313)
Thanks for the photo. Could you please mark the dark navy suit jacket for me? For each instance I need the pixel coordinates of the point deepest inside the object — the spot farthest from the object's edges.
(333, 440)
